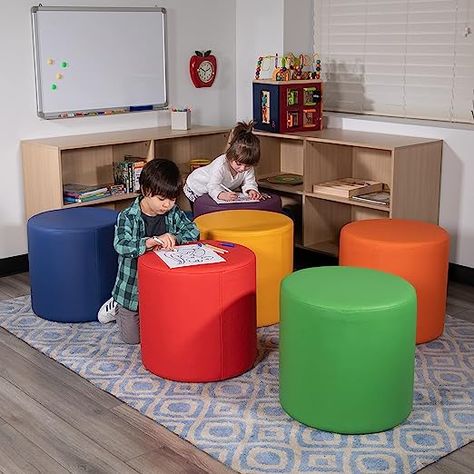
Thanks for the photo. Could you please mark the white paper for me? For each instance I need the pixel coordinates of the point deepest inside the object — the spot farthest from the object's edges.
(188, 255)
(241, 197)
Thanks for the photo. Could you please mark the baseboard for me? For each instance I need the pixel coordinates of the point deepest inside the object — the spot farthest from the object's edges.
(12, 265)
(461, 274)
(302, 258)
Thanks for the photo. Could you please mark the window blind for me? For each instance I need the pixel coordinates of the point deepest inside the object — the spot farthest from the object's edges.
(406, 58)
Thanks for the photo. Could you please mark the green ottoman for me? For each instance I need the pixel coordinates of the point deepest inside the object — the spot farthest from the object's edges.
(347, 348)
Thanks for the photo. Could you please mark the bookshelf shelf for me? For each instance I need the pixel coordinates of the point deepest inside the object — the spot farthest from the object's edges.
(409, 166)
(50, 163)
(350, 202)
(105, 200)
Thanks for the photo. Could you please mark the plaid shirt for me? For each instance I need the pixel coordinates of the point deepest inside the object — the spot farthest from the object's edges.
(129, 242)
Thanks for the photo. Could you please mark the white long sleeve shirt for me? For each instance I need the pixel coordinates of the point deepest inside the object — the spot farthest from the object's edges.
(208, 179)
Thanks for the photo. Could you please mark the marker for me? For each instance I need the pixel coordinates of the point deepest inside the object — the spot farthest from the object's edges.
(139, 108)
(216, 249)
(157, 239)
(226, 188)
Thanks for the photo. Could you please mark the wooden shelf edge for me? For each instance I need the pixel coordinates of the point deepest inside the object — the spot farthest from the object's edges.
(108, 199)
(350, 202)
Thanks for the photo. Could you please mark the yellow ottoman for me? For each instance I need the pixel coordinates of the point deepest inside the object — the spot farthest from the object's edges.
(270, 236)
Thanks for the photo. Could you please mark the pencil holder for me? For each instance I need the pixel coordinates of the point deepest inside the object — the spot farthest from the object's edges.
(180, 120)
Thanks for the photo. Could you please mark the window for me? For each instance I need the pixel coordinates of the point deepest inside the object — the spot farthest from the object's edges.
(406, 58)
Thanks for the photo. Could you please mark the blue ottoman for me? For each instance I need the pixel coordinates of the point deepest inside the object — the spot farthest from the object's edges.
(73, 264)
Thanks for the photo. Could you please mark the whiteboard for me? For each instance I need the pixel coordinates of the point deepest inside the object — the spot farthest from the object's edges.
(94, 61)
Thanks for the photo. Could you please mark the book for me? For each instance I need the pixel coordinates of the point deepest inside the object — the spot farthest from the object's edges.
(382, 197)
(241, 197)
(83, 190)
(188, 255)
(347, 187)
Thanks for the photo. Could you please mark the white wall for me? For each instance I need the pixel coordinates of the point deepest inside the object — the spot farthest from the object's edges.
(457, 176)
(206, 24)
(266, 27)
(259, 32)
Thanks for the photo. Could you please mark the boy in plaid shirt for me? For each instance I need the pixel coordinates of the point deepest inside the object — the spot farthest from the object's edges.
(151, 221)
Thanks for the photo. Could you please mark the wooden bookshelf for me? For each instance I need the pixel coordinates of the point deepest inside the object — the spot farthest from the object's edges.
(409, 166)
(50, 163)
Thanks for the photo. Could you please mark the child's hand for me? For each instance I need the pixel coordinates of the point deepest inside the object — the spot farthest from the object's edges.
(168, 241)
(226, 196)
(255, 195)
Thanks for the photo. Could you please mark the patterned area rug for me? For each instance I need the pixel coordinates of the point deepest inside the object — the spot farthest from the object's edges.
(240, 421)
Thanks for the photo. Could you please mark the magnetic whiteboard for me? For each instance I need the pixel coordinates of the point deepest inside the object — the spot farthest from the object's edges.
(94, 61)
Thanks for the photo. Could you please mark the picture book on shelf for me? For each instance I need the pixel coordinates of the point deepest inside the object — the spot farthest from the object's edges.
(382, 197)
(347, 187)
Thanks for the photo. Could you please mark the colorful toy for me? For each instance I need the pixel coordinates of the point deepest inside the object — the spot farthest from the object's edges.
(287, 105)
(290, 67)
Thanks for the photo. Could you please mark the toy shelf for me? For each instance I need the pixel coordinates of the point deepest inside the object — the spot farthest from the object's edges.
(50, 163)
(409, 166)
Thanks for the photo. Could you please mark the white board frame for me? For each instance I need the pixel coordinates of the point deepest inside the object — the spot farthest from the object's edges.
(41, 84)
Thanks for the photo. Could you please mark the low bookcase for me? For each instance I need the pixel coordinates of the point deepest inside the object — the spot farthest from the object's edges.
(50, 163)
(409, 166)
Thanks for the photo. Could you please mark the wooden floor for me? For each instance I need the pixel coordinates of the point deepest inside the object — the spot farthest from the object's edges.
(52, 420)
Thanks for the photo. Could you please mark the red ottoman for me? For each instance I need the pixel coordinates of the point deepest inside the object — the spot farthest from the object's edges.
(205, 204)
(198, 323)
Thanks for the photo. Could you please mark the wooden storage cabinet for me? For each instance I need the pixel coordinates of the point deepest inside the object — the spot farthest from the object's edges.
(50, 163)
(280, 154)
(409, 166)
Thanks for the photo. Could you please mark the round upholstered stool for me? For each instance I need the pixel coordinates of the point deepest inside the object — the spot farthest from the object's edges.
(205, 204)
(72, 261)
(347, 348)
(270, 236)
(197, 323)
(417, 251)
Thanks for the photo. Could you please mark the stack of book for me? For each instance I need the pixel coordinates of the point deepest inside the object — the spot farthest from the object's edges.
(128, 172)
(73, 193)
(347, 187)
(382, 197)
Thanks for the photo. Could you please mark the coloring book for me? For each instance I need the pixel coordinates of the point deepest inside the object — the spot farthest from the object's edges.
(188, 255)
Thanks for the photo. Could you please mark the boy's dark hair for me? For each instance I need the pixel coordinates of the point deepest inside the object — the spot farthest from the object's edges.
(160, 177)
(244, 146)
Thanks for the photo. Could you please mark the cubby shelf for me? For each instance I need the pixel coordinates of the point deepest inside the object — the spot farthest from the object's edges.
(50, 163)
(409, 166)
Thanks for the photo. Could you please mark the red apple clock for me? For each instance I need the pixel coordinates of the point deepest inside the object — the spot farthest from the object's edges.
(203, 68)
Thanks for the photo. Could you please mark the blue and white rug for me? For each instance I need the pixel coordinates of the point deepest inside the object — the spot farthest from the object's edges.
(240, 421)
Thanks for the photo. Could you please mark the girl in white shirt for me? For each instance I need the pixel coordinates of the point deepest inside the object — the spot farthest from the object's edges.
(232, 170)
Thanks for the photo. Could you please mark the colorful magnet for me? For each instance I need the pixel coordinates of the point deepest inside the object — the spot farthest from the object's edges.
(64, 64)
(50, 61)
(53, 86)
(59, 75)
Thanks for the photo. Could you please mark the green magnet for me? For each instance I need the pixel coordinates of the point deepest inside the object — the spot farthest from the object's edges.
(64, 64)
(54, 87)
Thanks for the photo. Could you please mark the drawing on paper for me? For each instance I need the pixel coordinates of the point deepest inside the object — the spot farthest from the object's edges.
(188, 255)
(241, 197)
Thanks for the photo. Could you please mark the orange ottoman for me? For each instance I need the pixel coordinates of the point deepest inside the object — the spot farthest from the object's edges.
(198, 323)
(417, 251)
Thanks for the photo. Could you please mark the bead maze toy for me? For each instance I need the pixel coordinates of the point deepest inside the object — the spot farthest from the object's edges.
(290, 98)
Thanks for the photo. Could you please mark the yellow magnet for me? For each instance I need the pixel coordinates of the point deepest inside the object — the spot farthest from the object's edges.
(50, 61)
(59, 75)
